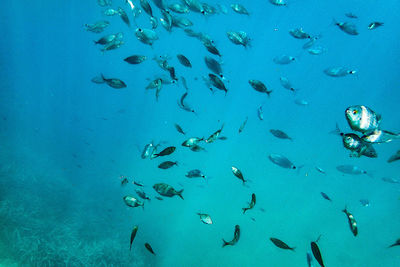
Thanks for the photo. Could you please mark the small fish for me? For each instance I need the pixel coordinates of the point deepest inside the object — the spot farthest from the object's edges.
(364, 202)
(284, 59)
(149, 248)
(142, 194)
(252, 203)
(138, 183)
(351, 169)
(397, 243)
(179, 128)
(309, 259)
(259, 87)
(338, 71)
(286, 84)
(238, 174)
(146, 7)
(316, 50)
(97, 27)
(391, 180)
(110, 12)
(132, 202)
(325, 196)
(238, 8)
(124, 181)
(214, 66)
(298, 33)
(195, 174)
(320, 170)
(197, 148)
(159, 198)
(114, 82)
(351, 15)
(243, 125)
(167, 151)
(301, 102)
(280, 244)
(205, 218)
(133, 235)
(362, 118)
(184, 60)
(280, 134)
(167, 190)
(281, 161)
(215, 135)
(352, 222)
(167, 164)
(192, 141)
(235, 239)
(317, 253)
(278, 2)
(124, 16)
(374, 25)
(347, 27)
(217, 82)
(135, 59)
(260, 113)
(394, 157)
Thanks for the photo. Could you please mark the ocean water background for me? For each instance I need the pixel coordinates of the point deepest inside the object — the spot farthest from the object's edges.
(66, 141)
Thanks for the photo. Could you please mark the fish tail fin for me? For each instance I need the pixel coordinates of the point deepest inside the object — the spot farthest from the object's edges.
(345, 209)
(179, 193)
(336, 131)
(102, 76)
(293, 249)
(224, 243)
(176, 163)
(334, 21)
(244, 210)
(95, 42)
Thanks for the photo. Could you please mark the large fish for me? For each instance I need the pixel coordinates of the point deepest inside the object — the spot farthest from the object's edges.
(352, 222)
(317, 253)
(167, 190)
(362, 118)
(280, 244)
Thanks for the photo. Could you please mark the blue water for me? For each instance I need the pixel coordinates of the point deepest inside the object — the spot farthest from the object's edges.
(65, 141)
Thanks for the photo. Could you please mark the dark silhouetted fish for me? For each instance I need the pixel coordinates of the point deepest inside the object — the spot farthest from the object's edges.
(352, 222)
(184, 60)
(167, 190)
(397, 243)
(149, 248)
(317, 253)
(133, 234)
(280, 244)
(325, 196)
(280, 134)
(179, 128)
(167, 164)
(135, 59)
(167, 151)
(252, 203)
(235, 239)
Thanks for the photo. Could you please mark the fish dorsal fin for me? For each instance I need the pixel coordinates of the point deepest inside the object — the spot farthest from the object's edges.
(379, 118)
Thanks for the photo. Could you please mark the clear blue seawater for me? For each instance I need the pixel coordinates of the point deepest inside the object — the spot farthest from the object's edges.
(65, 141)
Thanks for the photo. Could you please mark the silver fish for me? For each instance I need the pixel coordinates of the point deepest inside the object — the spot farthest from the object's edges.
(281, 161)
(362, 118)
(238, 8)
(347, 27)
(195, 174)
(260, 113)
(167, 190)
(284, 59)
(338, 71)
(352, 169)
(205, 218)
(132, 202)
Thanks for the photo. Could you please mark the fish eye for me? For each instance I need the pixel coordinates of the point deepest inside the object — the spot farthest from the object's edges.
(354, 112)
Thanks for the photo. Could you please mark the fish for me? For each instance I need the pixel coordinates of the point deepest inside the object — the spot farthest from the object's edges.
(309, 259)
(260, 113)
(243, 125)
(317, 253)
(301, 102)
(380, 136)
(325, 196)
(320, 170)
(259, 87)
(184, 105)
(154, 23)
(205, 218)
(192, 141)
(239, 38)
(196, 148)
(338, 71)
(280, 134)
(181, 22)
(124, 16)
(179, 128)
(124, 181)
(210, 46)
(238, 8)
(133, 202)
(298, 33)
(114, 82)
(286, 84)
(214, 66)
(217, 82)
(110, 12)
(167, 164)
(138, 183)
(351, 15)
(215, 135)
(278, 2)
(133, 235)
(316, 50)
(108, 39)
(362, 119)
(167, 190)
(147, 150)
(352, 169)
(394, 157)
(235, 239)
(146, 36)
(179, 8)
(238, 174)
(135, 59)
(352, 222)
(167, 151)
(142, 194)
(146, 7)
(280, 244)
(149, 248)
(374, 25)
(97, 27)
(159, 198)
(252, 203)
(195, 174)
(184, 60)
(347, 27)
(113, 45)
(283, 59)
(390, 180)
(364, 202)
(397, 243)
(356, 144)
(281, 161)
